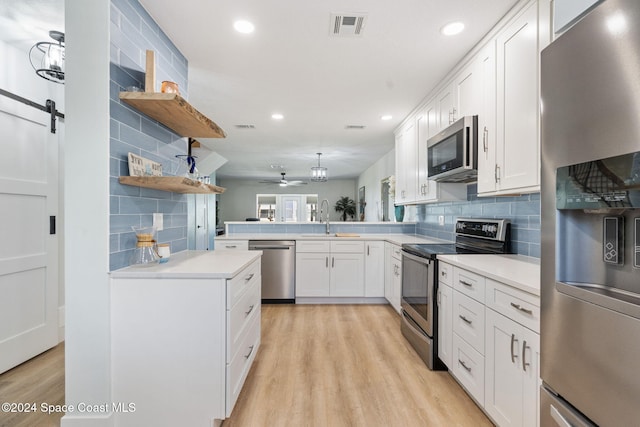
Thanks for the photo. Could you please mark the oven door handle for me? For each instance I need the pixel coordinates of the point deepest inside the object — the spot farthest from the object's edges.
(417, 258)
(412, 324)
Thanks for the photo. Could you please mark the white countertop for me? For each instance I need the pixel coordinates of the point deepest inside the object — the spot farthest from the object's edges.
(193, 265)
(395, 238)
(519, 271)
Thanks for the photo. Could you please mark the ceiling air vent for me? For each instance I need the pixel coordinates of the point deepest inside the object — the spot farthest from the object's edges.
(347, 24)
(245, 126)
(355, 126)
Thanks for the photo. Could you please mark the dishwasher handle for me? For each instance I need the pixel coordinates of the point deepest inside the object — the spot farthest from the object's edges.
(260, 248)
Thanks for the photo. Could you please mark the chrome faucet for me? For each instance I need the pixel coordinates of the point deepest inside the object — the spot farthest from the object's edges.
(326, 221)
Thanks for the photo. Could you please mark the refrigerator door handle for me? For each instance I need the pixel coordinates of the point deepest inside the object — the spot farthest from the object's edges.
(558, 418)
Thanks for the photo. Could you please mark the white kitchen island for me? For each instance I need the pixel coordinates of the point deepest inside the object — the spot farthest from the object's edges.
(183, 337)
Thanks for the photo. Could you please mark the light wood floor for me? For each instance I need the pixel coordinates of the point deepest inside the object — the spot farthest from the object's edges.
(39, 380)
(318, 365)
(346, 365)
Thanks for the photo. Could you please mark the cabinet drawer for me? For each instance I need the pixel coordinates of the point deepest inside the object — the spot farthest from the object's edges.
(396, 252)
(347, 246)
(228, 245)
(445, 273)
(240, 317)
(468, 320)
(313, 246)
(513, 303)
(238, 367)
(238, 285)
(468, 368)
(469, 283)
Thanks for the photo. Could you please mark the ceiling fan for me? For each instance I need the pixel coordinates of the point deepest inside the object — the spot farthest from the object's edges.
(283, 182)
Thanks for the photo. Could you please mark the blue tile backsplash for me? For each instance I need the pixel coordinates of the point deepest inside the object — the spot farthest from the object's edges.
(523, 211)
(133, 31)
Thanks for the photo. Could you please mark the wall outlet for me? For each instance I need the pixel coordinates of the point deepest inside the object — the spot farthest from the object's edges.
(158, 221)
(441, 220)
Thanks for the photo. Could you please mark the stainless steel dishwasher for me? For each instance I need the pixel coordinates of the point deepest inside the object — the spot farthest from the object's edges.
(278, 270)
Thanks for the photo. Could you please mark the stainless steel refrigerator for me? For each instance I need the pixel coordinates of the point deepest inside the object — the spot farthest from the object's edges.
(590, 328)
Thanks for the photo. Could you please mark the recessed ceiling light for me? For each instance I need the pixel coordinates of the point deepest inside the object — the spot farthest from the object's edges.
(277, 116)
(243, 26)
(452, 28)
(386, 117)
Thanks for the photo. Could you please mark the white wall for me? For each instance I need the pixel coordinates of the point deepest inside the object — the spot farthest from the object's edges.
(371, 179)
(239, 200)
(86, 160)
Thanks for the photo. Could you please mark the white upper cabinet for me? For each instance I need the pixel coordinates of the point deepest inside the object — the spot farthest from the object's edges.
(412, 182)
(500, 83)
(510, 164)
(406, 164)
(487, 118)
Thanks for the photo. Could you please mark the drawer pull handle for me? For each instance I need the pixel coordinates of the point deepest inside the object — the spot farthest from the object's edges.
(230, 246)
(464, 365)
(443, 273)
(522, 309)
(246, 356)
(249, 277)
(467, 321)
(524, 362)
(513, 355)
(250, 309)
(466, 283)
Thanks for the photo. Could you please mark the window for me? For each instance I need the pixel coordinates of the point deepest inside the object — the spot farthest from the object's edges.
(287, 207)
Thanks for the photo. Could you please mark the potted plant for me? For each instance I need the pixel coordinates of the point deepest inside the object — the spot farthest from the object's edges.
(345, 206)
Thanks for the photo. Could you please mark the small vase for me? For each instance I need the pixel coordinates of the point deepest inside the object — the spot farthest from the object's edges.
(399, 211)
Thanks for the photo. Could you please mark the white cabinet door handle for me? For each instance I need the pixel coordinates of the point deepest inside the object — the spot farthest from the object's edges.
(246, 356)
(518, 307)
(250, 310)
(485, 139)
(524, 362)
(249, 277)
(464, 319)
(513, 355)
(464, 365)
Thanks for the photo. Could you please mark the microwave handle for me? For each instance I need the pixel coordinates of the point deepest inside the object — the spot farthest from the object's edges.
(467, 147)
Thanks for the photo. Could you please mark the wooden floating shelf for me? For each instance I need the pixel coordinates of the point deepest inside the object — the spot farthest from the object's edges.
(176, 184)
(174, 112)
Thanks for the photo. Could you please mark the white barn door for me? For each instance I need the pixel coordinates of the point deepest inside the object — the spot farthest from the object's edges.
(28, 252)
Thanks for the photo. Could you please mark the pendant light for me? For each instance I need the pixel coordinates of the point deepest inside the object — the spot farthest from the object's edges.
(318, 173)
(47, 58)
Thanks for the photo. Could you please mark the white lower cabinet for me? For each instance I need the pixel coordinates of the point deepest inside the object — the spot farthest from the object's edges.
(393, 275)
(181, 348)
(468, 368)
(231, 245)
(330, 268)
(489, 340)
(511, 372)
(312, 274)
(374, 269)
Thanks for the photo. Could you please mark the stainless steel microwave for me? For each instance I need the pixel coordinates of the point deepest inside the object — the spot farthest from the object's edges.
(452, 154)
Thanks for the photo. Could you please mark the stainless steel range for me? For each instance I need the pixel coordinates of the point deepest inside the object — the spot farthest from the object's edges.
(420, 273)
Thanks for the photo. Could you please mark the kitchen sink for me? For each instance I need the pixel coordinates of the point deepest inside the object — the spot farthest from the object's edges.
(316, 235)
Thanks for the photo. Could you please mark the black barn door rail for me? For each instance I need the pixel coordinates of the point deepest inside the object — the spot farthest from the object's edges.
(49, 107)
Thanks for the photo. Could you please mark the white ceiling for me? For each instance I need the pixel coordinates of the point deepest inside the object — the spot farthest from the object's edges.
(291, 65)
(321, 84)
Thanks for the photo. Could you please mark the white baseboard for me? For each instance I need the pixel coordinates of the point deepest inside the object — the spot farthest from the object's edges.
(61, 323)
(87, 420)
(341, 300)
